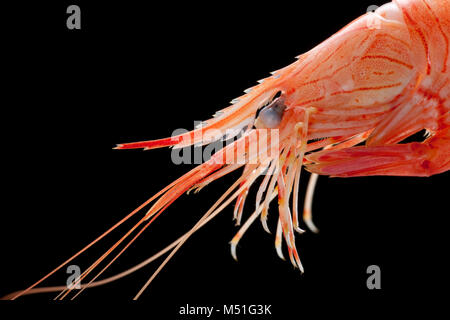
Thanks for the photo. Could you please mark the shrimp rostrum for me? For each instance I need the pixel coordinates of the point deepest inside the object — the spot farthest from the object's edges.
(342, 109)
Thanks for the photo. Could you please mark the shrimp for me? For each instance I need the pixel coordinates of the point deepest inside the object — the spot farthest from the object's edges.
(342, 109)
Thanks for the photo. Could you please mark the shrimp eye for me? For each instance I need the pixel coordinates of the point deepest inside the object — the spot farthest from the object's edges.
(270, 116)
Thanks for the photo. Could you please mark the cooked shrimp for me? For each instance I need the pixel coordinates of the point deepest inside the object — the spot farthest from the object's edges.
(379, 80)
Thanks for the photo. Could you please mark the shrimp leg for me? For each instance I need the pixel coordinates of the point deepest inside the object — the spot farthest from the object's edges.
(411, 159)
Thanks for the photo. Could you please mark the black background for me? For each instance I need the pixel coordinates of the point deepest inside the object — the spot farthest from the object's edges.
(139, 71)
